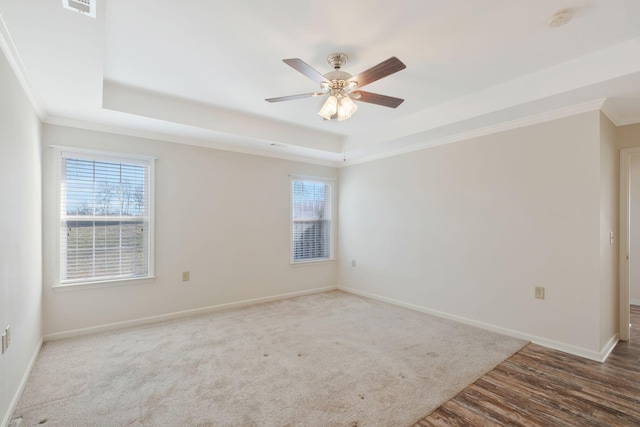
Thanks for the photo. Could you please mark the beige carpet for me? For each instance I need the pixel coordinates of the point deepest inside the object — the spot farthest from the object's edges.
(329, 359)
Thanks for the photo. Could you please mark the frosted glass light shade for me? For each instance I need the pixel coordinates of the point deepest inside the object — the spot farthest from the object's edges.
(330, 108)
(346, 108)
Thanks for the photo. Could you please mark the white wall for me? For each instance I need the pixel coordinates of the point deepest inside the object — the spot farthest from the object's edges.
(469, 229)
(222, 216)
(634, 220)
(20, 228)
(609, 215)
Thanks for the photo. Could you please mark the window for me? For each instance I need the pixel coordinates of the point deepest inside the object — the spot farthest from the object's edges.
(105, 218)
(311, 233)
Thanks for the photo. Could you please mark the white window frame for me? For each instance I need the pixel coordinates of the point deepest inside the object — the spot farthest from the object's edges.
(332, 182)
(59, 153)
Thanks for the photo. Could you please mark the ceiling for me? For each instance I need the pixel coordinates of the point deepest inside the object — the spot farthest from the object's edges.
(199, 74)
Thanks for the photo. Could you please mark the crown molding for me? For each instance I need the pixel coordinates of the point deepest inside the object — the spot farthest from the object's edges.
(487, 130)
(13, 57)
(78, 124)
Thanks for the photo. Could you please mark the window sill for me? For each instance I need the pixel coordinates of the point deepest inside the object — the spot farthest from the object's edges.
(102, 284)
(311, 262)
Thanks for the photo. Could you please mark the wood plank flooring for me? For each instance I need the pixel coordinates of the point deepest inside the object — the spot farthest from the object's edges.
(538, 386)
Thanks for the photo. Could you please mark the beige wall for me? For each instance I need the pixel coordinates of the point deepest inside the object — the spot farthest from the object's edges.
(628, 136)
(20, 228)
(469, 229)
(609, 214)
(222, 216)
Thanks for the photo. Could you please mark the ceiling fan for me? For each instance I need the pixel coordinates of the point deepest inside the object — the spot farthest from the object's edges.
(342, 87)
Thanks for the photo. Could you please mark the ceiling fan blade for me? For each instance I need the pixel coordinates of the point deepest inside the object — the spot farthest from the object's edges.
(292, 97)
(383, 69)
(305, 69)
(375, 98)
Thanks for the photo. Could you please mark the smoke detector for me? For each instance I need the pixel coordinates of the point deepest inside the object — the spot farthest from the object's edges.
(560, 18)
(85, 7)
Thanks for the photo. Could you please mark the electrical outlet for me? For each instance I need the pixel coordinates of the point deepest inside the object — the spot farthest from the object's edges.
(539, 292)
(185, 276)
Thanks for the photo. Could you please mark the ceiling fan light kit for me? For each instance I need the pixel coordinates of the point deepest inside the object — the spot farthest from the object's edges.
(346, 108)
(343, 88)
(340, 106)
(329, 108)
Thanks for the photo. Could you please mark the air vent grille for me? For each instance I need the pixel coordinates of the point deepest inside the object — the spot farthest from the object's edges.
(85, 7)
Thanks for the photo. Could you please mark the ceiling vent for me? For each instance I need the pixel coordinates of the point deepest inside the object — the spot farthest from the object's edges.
(85, 7)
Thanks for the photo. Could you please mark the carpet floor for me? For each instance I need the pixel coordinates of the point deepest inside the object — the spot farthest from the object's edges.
(328, 359)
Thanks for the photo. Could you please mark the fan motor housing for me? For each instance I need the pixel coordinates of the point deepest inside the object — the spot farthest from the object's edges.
(338, 77)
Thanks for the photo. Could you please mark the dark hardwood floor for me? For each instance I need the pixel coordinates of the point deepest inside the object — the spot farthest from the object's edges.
(538, 386)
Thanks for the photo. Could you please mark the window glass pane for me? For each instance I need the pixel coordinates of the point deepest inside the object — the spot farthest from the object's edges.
(104, 219)
(100, 188)
(311, 233)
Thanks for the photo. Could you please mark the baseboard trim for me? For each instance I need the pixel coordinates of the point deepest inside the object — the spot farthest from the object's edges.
(566, 348)
(21, 387)
(609, 346)
(634, 301)
(179, 314)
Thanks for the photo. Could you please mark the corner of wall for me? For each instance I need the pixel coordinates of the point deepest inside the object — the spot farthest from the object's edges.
(609, 231)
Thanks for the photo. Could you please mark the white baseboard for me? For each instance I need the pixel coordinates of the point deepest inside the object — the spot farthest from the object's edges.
(179, 314)
(567, 348)
(634, 301)
(23, 384)
(608, 347)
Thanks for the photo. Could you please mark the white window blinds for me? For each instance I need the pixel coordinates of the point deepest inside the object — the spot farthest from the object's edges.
(105, 212)
(311, 224)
